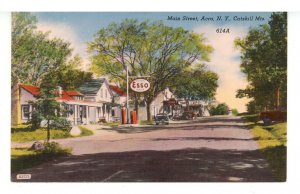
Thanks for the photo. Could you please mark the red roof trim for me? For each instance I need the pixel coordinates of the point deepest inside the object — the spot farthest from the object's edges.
(34, 90)
(117, 90)
(74, 93)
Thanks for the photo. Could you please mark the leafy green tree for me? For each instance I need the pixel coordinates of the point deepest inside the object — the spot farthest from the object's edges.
(199, 84)
(69, 77)
(147, 49)
(264, 61)
(46, 107)
(234, 111)
(33, 52)
(220, 109)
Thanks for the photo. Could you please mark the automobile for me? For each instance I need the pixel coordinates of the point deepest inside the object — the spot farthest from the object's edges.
(269, 117)
(161, 119)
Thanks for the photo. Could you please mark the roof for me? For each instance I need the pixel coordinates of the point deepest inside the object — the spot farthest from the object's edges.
(117, 90)
(34, 90)
(74, 93)
(65, 96)
(92, 87)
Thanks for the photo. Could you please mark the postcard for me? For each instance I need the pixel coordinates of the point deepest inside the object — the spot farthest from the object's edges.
(149, 97)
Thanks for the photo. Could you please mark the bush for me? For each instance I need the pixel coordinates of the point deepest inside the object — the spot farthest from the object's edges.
(36, 119)
(61, 123)
(235, 111)
(220, 109)
(52, 148)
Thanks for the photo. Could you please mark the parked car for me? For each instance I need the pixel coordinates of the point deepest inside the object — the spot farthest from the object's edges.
(161, 119)
(273, 116)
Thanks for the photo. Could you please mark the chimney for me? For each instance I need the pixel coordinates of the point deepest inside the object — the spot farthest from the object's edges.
(59, 90)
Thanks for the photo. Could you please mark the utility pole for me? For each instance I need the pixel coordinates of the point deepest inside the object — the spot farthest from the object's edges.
(127, 95)
(127, 92)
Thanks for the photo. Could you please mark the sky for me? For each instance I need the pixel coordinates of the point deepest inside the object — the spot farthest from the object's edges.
(79, 28)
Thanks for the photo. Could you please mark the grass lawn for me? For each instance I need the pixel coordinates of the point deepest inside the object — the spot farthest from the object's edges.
(85, 131)
(146, 122)
(272, 141)
(113, 123)
(23, 133)
(25, 158)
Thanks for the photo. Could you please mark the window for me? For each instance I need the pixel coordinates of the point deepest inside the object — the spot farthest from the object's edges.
(112, 112)
(101, 93)
(25, 112)
(105, 93)
(99, 112)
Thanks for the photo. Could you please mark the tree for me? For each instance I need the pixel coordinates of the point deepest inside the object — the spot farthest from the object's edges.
(234, 111)
(69, 77)
(264, 61)
(199, 84)
(220, 109)
(46, 107)
(147, 49)
(33, 52)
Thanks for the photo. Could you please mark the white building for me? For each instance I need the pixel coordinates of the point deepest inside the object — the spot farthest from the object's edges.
(96, 102)
(157, 105)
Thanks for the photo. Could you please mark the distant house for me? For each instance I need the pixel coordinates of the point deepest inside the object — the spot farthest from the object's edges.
(94, 102)
(157, 105)
(119, 98)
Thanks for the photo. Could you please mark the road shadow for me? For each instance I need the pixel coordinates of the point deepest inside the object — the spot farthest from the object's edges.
(187, 165)
(200, 124)
(202, 138)
(221, 119)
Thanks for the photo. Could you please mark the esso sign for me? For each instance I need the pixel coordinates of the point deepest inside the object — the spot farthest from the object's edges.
(140, 85)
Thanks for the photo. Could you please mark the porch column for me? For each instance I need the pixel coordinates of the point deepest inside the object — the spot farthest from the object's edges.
(30, 112)
(104, 112)
(75, 114)
(97, 116)
(87, 115)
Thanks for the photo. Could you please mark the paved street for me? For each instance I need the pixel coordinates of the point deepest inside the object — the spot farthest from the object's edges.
(206, 149)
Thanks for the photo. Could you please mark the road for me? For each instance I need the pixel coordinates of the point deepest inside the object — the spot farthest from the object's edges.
(216, 149)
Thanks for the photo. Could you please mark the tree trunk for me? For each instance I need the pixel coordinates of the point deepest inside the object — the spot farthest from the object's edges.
(277, 98)
(187, 104)
(48, 130)
(136, 105)
(149, 118)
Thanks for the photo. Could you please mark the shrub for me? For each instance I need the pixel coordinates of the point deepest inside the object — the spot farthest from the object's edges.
(53, 148)
(220, 109)
(235, 111)
(61, 123)
(36, 119)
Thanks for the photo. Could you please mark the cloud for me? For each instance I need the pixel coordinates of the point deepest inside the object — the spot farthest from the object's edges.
(67, 33)
(225, 62)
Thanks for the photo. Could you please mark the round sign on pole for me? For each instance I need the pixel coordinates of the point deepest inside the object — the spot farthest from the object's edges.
(140, 85)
